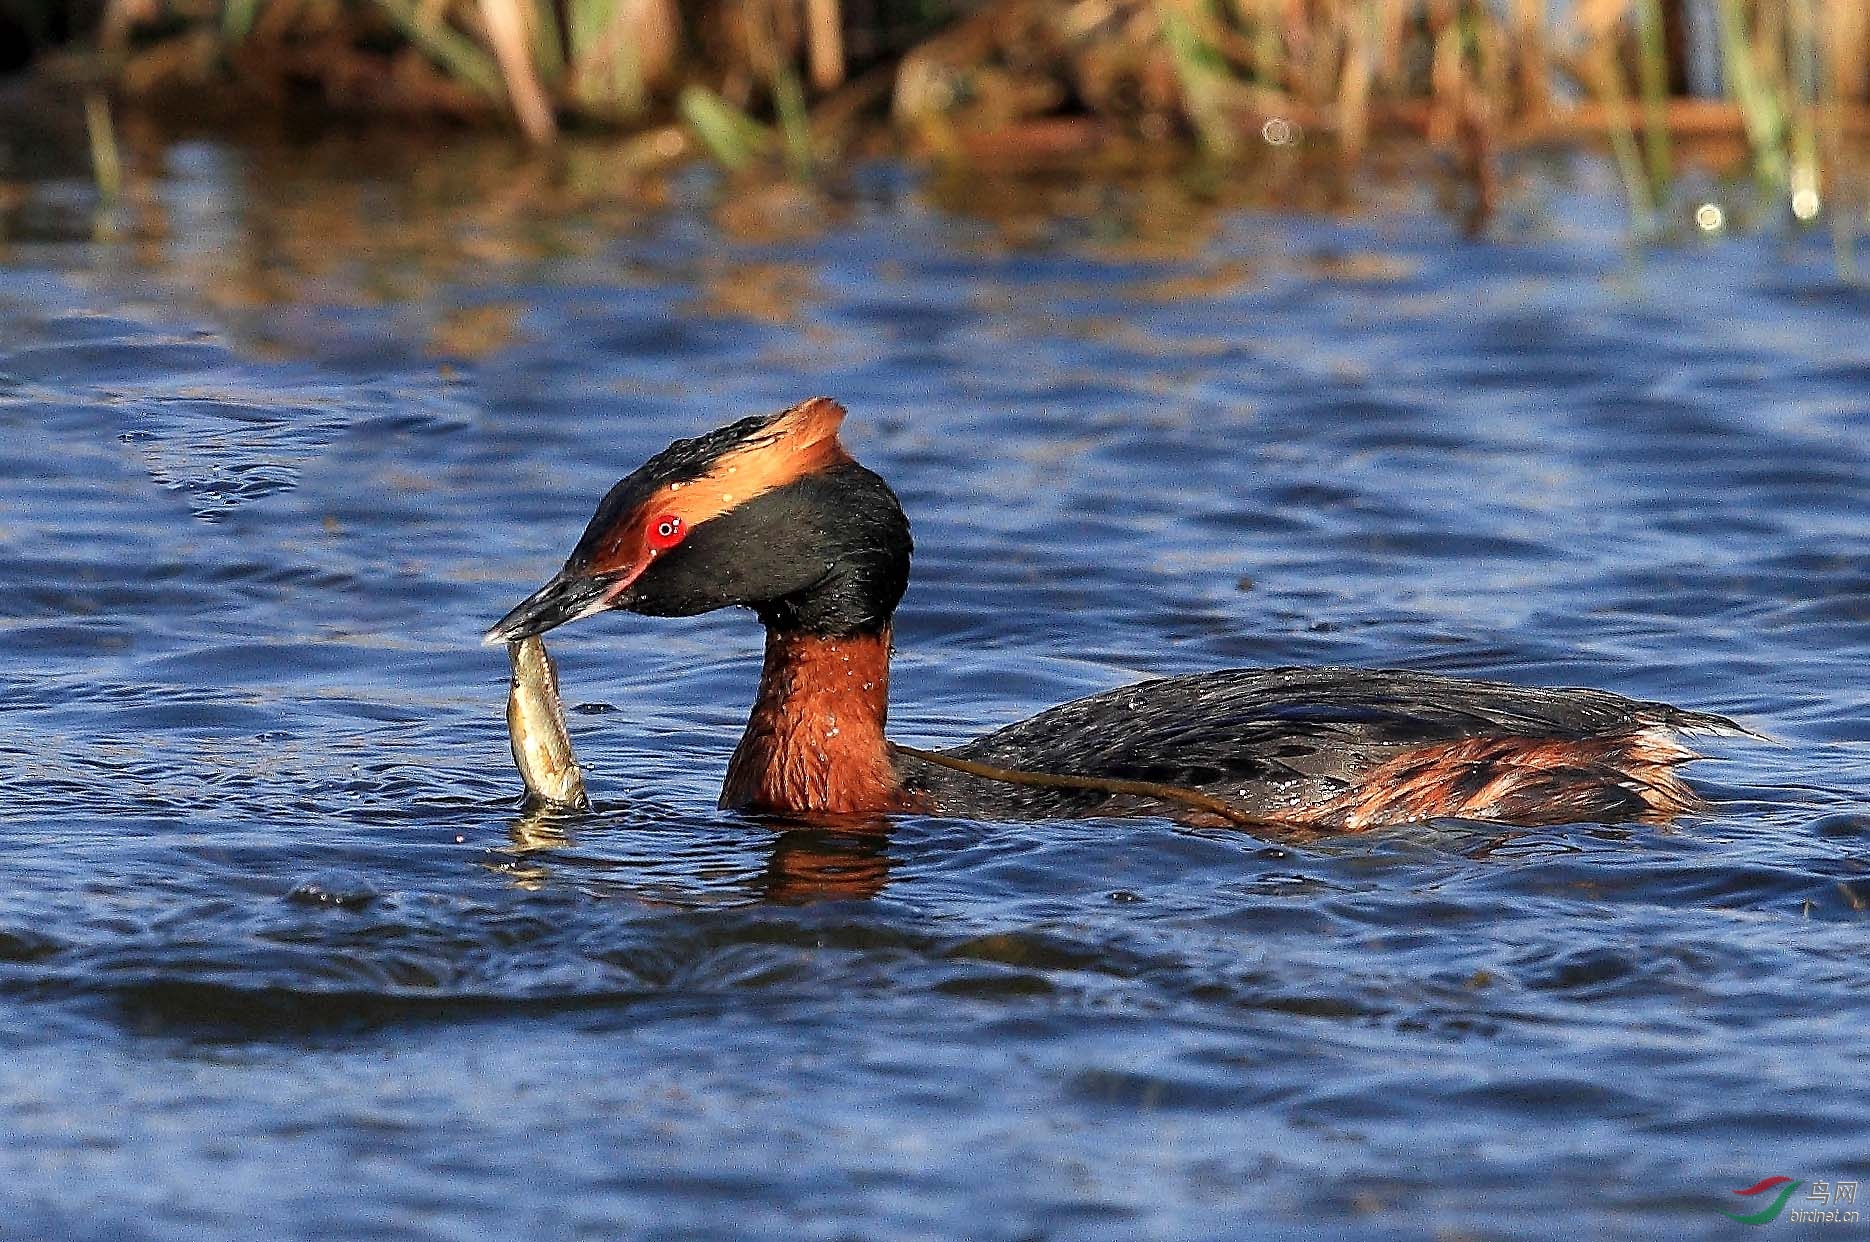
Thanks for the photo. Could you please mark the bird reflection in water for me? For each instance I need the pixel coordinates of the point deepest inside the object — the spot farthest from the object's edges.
(822, 864)
(804, 864)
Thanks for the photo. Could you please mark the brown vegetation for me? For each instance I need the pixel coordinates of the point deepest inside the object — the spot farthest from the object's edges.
(789, 82)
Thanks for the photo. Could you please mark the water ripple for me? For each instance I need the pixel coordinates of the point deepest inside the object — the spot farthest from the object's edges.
(277, 922)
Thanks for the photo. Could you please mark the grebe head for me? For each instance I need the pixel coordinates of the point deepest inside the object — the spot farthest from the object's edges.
(769, 512)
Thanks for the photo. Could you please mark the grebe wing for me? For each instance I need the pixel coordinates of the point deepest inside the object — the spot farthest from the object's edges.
(1301, 733)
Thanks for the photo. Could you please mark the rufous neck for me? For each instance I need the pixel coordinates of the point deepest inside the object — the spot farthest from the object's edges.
(814, 741)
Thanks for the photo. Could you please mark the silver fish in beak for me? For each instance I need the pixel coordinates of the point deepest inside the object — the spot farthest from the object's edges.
(535, 717)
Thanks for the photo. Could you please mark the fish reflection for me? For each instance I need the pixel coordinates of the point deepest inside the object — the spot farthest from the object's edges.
(539, 829)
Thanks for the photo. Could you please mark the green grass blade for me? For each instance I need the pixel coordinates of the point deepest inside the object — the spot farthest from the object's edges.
(795, 122)
(1654, 70)
(1804, 180)
(1759, 112)
(1623, 142)
(731, 136)
(459, 55)
(1203, 77)
(106, 166)
(237, 19)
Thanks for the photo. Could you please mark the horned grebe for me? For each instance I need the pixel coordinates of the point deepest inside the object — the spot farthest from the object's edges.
(772, 513)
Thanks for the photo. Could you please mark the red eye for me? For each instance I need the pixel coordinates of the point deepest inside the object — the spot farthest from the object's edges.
(665, 532)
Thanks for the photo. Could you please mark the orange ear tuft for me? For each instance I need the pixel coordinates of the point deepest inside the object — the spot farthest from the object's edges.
(812, 421)
(800, 441)
(789, 446)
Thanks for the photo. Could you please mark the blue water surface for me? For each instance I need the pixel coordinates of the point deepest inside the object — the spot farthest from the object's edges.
(280, 956)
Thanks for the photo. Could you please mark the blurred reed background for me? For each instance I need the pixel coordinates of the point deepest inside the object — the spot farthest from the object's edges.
(795, 84)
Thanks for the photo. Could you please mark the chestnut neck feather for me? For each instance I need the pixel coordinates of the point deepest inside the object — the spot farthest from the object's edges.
(814, 741)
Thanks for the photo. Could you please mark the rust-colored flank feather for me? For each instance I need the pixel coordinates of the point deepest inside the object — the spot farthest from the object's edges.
(1330, 750)
(1519, 779)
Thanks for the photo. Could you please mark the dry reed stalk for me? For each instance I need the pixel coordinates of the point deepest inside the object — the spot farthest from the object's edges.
(507, 30)
(1846, 43)
(1315, 46)
(824, 23)
(1490, 76)
(1445, 72)
(1843, 26)
(621, 52)
(1354, 89)
(119, 19)
(1042, 76)
(1534, 80)
(1391, 40)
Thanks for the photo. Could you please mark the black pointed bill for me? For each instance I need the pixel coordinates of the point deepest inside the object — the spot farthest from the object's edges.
(558, 601)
